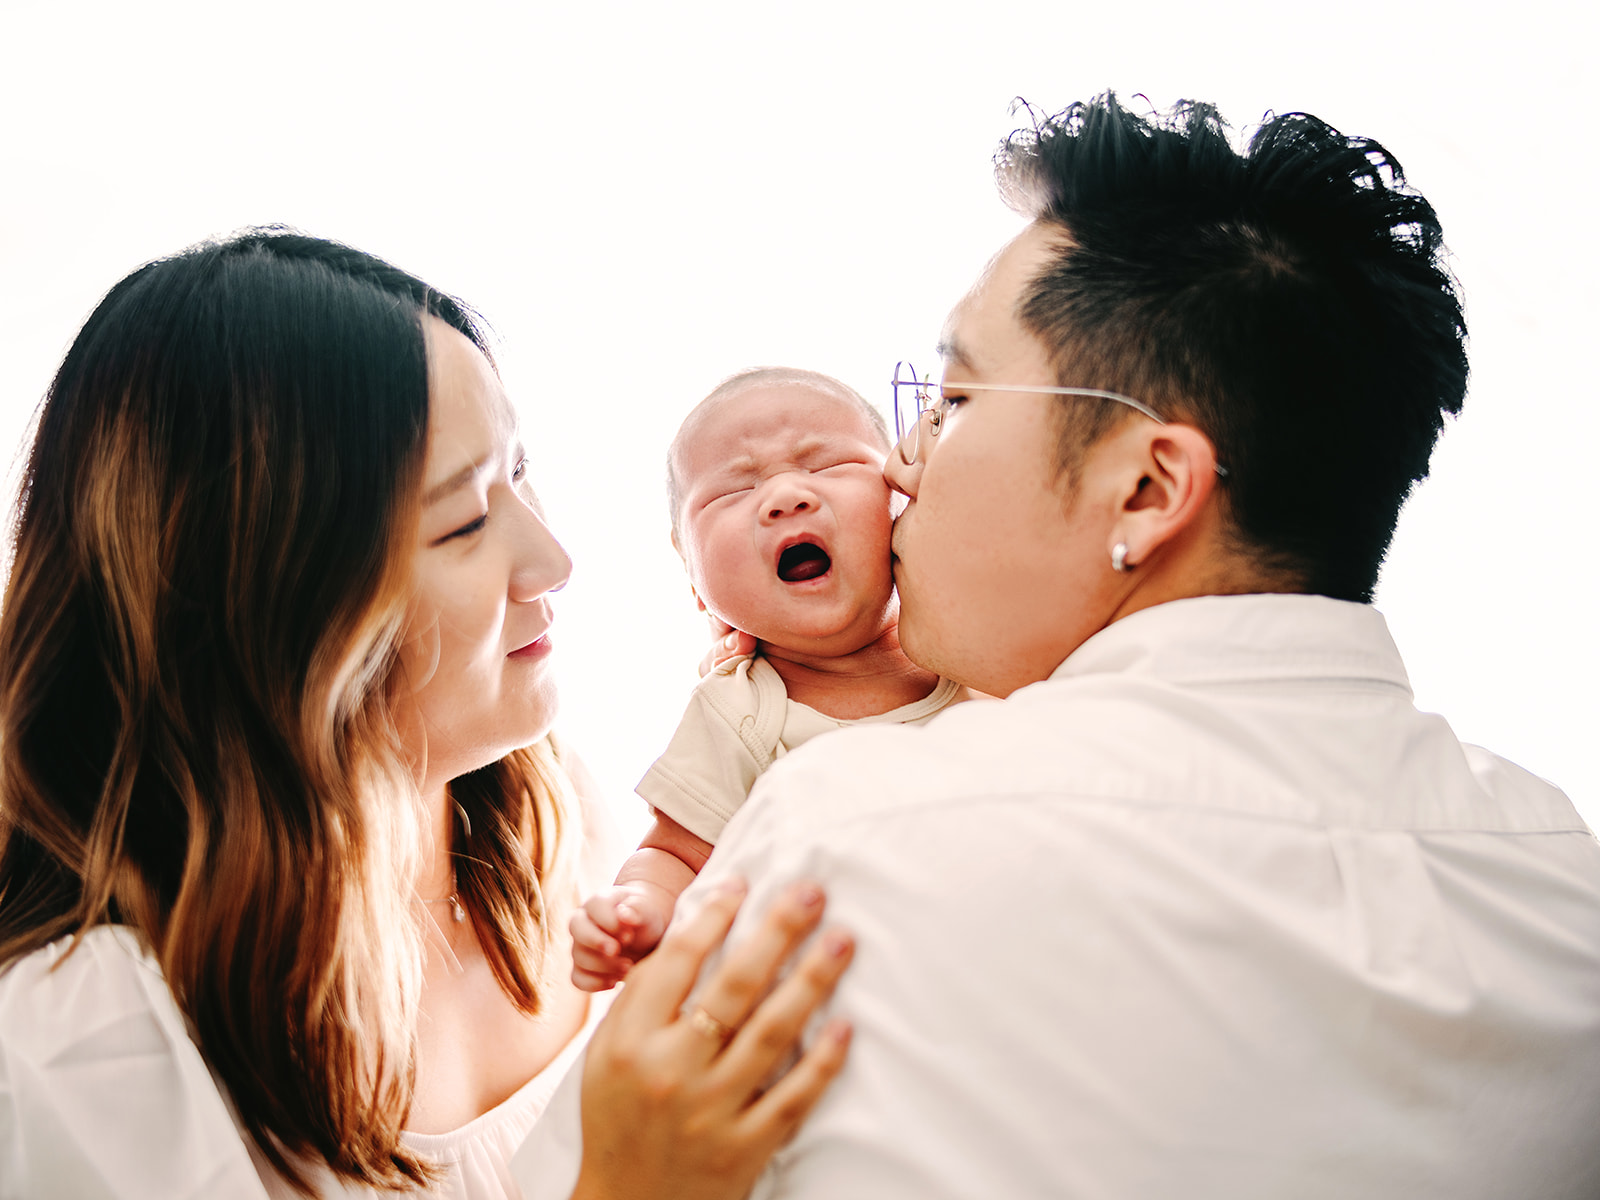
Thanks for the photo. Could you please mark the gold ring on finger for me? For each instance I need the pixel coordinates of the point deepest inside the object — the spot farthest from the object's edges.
(705, 1023)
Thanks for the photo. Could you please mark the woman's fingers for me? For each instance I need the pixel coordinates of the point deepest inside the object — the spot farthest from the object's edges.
(667, 1111)
(748, 969)
(773, 1119)
(772, 1032)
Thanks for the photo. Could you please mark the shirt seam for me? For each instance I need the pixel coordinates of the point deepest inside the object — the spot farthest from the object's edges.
(923, 805)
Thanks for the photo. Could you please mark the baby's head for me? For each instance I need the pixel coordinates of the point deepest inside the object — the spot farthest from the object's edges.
(780, 511)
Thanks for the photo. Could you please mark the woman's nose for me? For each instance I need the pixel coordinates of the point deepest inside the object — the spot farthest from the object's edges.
(541, 565)
(787, 495)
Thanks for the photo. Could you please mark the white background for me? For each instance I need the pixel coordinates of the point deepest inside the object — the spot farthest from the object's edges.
(644, 198)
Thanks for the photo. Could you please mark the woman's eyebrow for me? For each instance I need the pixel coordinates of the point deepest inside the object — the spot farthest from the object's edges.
(455, 483)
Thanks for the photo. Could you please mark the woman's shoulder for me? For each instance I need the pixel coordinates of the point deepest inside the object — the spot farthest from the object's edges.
(64, 993)
(102, 1092)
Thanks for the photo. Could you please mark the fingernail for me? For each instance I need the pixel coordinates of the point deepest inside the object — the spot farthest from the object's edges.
(838, 1031)
(730, 641)
(731, 886)
(837, 942)
(810, 895)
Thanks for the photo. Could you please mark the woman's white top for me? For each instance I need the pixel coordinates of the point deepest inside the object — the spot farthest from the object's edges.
(476, 1156)
(102, 1092)
(104, 1095)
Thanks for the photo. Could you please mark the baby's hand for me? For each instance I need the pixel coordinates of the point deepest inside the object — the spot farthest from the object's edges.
(612, 931)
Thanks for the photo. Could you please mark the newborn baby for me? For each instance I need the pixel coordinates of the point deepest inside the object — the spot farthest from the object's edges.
(782, 518)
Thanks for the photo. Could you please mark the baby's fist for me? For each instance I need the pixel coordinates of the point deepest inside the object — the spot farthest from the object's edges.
(612, 931)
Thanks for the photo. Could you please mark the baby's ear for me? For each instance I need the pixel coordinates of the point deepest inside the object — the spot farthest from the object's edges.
(692, 589)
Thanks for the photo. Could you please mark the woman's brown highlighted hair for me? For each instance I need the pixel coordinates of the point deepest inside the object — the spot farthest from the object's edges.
(210, 580)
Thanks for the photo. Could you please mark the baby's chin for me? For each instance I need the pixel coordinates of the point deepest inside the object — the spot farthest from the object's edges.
(829, 639)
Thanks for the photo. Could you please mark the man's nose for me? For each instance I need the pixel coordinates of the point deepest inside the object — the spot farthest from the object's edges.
(900, 475)
(788, 495)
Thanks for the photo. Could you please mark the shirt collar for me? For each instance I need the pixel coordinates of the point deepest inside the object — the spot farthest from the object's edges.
(1226, 639)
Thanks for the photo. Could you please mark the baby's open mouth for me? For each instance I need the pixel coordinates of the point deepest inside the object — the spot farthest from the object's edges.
(802, 562)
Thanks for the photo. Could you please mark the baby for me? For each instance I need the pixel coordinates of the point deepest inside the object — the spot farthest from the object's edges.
(782, 518)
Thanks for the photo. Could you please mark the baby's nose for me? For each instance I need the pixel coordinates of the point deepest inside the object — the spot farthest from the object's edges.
(786, 496)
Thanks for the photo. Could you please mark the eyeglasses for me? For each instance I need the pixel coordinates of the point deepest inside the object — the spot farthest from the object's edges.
(913, 401)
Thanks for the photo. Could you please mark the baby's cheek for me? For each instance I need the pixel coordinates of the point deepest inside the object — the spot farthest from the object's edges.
(732, 578)
(877, 520)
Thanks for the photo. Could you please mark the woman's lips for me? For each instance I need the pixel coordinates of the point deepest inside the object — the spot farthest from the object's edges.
(537, 648)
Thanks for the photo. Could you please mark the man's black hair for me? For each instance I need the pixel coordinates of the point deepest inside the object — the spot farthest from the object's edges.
(1288, 300)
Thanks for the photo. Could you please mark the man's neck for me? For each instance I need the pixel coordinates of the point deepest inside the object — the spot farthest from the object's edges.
(1202, 562)
(877, 678)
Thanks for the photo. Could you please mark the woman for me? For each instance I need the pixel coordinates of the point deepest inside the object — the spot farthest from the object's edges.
(277, 803)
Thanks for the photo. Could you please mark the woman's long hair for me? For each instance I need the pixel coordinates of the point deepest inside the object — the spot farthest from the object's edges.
(210, 581)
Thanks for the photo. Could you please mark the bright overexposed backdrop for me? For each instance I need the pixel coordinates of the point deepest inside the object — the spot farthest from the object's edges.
(643, 198)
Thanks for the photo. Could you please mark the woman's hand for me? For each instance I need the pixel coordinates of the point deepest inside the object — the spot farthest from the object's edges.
(674, 1106)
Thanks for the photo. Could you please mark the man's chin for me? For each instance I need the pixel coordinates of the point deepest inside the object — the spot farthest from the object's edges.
(915, 642)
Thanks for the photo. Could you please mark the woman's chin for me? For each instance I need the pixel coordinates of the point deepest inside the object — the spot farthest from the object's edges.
(531, 734)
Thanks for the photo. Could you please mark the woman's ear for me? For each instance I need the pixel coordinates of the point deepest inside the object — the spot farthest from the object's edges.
(420, 645)
(1169, 482)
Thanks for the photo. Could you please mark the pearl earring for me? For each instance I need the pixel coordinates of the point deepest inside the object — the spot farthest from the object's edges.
(1119, 557)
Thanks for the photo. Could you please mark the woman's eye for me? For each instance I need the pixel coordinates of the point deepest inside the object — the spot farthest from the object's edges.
(520, 470)
(467, 530)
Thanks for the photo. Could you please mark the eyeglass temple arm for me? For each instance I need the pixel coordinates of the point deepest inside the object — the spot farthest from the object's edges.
(1100, 393)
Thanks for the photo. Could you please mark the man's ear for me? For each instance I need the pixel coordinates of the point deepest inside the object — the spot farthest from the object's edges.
(1168, 483)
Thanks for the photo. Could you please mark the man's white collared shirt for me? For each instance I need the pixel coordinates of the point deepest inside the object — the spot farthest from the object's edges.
(1214, 911)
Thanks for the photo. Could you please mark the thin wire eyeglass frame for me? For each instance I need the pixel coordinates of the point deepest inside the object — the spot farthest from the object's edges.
(922, 388)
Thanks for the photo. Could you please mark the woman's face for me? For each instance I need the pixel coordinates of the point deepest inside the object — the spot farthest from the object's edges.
(476, 655)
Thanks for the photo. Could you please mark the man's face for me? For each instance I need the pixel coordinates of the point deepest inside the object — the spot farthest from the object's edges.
(1000, 572)
(784, 524)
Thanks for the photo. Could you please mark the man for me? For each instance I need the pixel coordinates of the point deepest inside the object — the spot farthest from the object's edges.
(1204, 907)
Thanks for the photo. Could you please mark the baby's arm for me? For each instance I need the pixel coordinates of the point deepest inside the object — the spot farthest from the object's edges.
(616, 928)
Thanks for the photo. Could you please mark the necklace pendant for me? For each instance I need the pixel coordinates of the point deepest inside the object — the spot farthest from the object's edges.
(457, 913)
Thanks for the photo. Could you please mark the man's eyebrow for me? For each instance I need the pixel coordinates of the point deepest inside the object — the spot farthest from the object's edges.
(952, 351)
